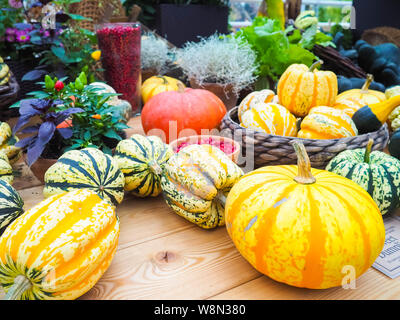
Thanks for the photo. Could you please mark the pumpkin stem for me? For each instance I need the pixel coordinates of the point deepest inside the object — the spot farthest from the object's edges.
(181, 87)
(304, 165)
(164, 79)
(368, 150)
(21, 284)
(315, 65)
(155, 167)
(221, 197)
(367, 83)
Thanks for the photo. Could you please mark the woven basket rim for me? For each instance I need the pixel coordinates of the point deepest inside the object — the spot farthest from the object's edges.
(348, 140)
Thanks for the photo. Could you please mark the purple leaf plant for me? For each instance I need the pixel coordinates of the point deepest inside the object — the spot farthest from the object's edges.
(43, 132)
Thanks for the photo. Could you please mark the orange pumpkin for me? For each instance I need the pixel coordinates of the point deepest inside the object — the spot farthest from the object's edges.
(367, 95)
(327, 123)
(255, 98)
(304, 227)
(271, 118)
(301, 88)
(194, 109)
(157, 84)
(349, 105)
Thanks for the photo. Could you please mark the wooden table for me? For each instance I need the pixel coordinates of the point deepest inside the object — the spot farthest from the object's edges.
(162, 256)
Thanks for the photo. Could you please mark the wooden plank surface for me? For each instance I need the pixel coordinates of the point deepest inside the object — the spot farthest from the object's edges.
(162, 256)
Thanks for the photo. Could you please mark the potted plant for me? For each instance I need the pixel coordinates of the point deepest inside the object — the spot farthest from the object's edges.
(155, 56)
(65, 117)
(222, 65)
(162, 16)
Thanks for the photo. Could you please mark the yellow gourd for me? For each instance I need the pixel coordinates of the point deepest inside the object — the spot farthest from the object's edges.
(367, 95)
(157, 84)
(301, 88)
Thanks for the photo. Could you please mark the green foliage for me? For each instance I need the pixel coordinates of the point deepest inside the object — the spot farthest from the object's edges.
(310, 37)
(274, 51)
(347, 41)
(96, 124)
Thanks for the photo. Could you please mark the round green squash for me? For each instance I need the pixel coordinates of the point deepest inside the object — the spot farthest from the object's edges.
(142, 159)
(196, 182)
(11, 205)
(87, 168)
(394, 145)
(377, 172)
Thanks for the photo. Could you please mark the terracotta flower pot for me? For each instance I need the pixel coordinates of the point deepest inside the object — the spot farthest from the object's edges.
(225, 92)
(40, 167)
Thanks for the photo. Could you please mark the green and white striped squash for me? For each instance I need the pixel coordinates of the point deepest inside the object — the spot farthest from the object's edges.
(196, 182)
(377, 172)
(11, 205)
(7, 143)
(88, 168)
(142, 160)
(6, 171)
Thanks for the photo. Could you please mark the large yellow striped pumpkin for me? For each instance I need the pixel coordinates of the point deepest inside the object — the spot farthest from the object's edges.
(271, 118)
(301, 88)
(255, 98)
(304, 227)
(327, 123)
(60, 248)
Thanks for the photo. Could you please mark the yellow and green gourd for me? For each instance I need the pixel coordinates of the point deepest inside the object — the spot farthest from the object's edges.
(87, 168)
(4, 73)
(196, 182)
(394, 117)
(11, 205)
(376, 172)
(6, 171)
(60, 248)
(306, 19)
(7, 143)
(142, 159)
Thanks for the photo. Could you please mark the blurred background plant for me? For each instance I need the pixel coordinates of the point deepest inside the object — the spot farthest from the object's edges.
(60, 51)
(155, 53)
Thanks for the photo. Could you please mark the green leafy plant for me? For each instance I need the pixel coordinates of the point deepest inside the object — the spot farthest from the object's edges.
(80, 113)
(273, 48)
(310, 37)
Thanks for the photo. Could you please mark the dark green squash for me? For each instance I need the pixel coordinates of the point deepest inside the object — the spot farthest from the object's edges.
(394, 145)
(377, 172)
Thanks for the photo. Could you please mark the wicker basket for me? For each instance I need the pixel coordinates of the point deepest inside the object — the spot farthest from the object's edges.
(382, 35)
(277, 150)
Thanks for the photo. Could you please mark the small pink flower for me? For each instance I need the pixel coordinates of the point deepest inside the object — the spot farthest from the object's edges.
(23, 38)
(15, 3)
(46, 33)
(10, 31)
(10, 38)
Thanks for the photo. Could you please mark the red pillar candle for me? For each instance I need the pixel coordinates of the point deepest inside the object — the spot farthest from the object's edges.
(120, 56)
